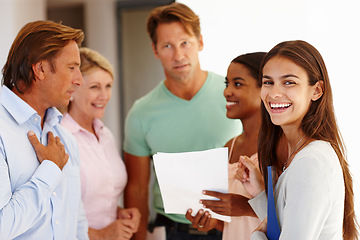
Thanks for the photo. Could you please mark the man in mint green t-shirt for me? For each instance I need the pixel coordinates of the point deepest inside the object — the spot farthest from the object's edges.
(185, 112)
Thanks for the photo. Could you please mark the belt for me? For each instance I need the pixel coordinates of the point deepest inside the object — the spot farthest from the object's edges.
(161, 220)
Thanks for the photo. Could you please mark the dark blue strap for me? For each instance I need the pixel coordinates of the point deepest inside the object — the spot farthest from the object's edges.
(273, 229)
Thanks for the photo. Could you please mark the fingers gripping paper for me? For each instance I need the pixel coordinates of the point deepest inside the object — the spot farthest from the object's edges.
(183, 176)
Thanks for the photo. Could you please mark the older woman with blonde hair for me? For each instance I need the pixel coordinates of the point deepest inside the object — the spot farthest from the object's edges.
(103, 173)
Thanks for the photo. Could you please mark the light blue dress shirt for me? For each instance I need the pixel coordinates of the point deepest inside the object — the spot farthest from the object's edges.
(37, 201)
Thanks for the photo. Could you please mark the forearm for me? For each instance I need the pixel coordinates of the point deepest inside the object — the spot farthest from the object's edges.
(219, 225)
(20, 210)
(137, 189)
(94, 234)
(102, 234)
(138, 198)
(142, 231)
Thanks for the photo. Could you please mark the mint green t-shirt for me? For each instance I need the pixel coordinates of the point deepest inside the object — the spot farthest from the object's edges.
(163, 122)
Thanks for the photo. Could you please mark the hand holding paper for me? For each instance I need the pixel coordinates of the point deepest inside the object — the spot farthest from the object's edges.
(183, 176)
(230, 204)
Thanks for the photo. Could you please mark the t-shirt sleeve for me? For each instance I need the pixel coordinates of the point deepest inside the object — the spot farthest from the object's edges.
(135, 140)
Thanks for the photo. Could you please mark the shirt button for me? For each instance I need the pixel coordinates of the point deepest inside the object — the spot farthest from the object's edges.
(36, 119)
(57, 222)
(54, 194)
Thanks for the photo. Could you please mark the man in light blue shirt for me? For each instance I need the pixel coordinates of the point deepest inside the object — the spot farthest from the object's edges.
(39, 161)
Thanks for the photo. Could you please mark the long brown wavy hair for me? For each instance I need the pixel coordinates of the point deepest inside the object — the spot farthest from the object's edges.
(319, 123)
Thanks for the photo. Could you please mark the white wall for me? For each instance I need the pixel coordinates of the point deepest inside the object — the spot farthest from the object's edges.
(101, 35)
(141, 71)
(13, 15)
(258, 25)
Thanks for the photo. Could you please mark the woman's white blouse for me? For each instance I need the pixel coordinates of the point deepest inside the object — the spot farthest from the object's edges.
(309, 196)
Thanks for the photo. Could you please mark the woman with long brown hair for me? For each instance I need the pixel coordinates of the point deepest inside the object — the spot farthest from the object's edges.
(313, 194)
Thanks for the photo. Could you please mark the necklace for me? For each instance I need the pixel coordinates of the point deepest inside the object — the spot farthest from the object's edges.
(293, 151)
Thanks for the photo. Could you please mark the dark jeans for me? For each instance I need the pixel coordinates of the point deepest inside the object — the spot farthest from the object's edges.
(174, 234)
(180, 231)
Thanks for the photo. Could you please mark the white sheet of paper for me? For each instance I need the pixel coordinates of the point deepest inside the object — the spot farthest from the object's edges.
(183, 176)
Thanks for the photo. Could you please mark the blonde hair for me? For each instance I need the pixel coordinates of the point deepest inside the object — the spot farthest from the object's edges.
(91, 59)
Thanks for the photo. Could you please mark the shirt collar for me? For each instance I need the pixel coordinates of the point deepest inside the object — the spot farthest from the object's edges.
(74, 127)
(21, 111)
(98, 125)
(53, 116)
